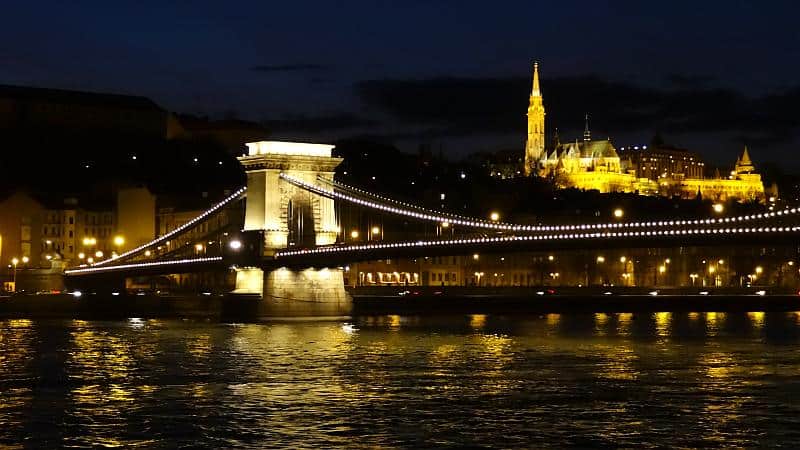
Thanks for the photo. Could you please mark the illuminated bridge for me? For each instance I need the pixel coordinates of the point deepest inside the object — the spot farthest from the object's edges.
(292, 198)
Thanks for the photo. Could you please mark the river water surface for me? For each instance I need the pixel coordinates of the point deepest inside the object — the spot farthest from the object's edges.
(678, 379)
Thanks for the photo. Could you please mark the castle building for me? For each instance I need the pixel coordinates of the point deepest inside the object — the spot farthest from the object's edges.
(596, 165)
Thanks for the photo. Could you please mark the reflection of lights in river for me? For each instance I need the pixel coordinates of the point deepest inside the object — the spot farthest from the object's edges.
(662, 323)
(756, 318)
(394, 322)
(477, 321)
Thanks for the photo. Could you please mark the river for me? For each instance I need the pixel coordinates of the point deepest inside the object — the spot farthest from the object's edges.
(557, 380)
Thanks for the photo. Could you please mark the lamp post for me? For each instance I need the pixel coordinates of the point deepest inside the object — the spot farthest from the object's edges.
(14, 262)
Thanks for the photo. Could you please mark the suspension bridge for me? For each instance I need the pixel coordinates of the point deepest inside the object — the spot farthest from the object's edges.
(288, 240)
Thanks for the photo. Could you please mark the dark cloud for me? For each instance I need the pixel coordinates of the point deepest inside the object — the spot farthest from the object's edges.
(684, 81)
(463, 107)
(272, 68)
(317, 124)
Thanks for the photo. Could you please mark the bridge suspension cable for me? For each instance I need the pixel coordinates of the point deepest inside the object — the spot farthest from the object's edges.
(142, 265)
(432, 216)
(406, 209)
(240, 193)
(331, 249)
(369, 195)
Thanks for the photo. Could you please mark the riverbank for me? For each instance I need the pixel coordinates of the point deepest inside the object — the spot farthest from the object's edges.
(407, 302)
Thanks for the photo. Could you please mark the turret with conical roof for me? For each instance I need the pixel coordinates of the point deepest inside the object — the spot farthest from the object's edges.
(744, 164)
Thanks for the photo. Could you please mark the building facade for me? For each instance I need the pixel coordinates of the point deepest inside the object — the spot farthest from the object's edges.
(596, 165)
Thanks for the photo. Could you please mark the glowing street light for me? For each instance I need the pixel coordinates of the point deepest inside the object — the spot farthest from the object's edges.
(550, 257)
(618, 213)
(759, 270)
(235, 244)
(601, 259)
(354, 234)
(662, 269)
(718, 208)
(198, 247)
(494, 216)
(25, 260)
(119, 241)
(14, 262)
(476, 256)
(89, 241)
(622, 259)
(98, 254)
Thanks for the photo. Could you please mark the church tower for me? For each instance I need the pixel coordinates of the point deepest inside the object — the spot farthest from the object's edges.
(534, 146)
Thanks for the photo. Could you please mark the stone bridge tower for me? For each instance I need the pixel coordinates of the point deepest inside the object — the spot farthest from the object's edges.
(280, 208)
(290, 215)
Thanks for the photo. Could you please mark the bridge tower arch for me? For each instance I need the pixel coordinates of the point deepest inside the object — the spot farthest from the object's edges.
(269, 197)
(289, 215)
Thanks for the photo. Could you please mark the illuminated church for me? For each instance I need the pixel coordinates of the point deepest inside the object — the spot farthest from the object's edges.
(596, 164)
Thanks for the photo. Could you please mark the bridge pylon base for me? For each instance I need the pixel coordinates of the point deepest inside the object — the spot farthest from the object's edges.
(296, 292)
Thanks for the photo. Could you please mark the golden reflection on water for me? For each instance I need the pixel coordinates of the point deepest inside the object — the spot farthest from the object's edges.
(624, 323)
(717, 364)
(394, 322)
(714, 323)
(600, 322)
(477, 321)
(199, 346)
(663, 321)
(756, 319)
(100, 365)
(385, 378)
(552, 322)
(618, 361)
(17, 340)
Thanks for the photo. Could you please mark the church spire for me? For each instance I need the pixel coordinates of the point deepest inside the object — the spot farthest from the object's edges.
(534, 145)
(587, 135)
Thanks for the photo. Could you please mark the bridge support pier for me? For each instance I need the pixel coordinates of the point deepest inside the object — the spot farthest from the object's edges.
(296, 292)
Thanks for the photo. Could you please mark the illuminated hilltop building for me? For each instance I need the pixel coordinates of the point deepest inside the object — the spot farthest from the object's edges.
(596, 165)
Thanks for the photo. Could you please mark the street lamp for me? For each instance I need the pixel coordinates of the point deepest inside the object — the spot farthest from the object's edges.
(718, 208)
(495, 216)
(618, 213)
(25, 260)
(14, 262)
(119, 241)
(354, 234)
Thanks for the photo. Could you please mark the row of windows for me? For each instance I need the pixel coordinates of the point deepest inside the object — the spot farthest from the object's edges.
(448, 276)
(443, 260)
(93, 219)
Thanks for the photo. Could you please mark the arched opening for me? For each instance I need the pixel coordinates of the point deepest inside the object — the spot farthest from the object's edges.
(300, 218)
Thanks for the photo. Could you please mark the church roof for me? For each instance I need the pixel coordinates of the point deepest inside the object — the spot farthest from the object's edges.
(589, 149)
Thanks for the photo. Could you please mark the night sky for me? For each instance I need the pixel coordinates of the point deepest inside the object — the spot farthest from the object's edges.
(454, 74)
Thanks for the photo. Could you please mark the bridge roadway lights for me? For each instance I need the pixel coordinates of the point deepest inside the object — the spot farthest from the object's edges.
(288, 291)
